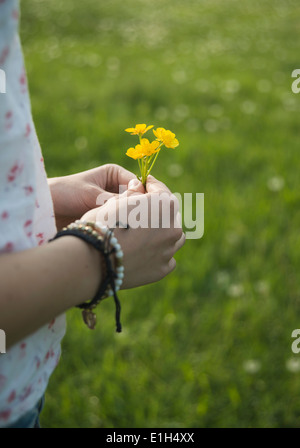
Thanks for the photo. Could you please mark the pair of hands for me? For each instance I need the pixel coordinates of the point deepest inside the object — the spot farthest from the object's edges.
(148, 252)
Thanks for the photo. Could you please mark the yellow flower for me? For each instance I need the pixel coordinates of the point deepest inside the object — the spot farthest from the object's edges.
(140, 129)
(148, 148)
(166, 137)
(134, 153)
(145, 148)
(146, 152)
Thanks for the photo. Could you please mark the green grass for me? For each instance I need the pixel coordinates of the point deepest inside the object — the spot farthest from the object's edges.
(210, 345)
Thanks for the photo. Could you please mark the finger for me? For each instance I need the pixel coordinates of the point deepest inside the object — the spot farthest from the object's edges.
(118, 178)
(135, 187)
(171, 250)
(179, 243)
(155, 186)
(172, 264)
(129, 200)
(104, 196)
(168, 267)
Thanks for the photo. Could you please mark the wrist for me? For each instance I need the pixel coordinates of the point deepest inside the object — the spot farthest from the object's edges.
(60, 190)
(103, 240)
(88, 267)
(53, 184)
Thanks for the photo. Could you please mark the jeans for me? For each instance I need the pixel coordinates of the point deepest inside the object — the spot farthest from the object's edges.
(31, 418)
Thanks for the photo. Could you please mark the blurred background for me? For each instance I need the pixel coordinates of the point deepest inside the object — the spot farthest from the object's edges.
(210, 345)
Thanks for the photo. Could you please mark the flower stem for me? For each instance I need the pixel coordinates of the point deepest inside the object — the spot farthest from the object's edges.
(144, 171)
(139, 165)
(148, 172)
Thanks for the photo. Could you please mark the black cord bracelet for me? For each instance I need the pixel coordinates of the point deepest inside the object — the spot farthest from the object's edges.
(87, 232)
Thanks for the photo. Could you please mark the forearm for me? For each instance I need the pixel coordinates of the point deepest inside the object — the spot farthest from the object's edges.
(63, 209)
(39, 284)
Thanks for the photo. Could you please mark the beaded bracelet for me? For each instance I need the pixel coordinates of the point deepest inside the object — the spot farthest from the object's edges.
(102, 239)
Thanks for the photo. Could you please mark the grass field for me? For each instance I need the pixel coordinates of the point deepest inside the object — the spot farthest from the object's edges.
(210, 345)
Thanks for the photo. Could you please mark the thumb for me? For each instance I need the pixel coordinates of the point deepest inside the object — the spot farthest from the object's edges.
(135, 187)
(155, 186)
(104, 196)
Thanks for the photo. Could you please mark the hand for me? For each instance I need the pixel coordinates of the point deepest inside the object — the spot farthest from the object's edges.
(74, 195)
(148, 252)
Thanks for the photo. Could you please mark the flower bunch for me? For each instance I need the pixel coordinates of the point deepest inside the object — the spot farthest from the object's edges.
(146, 152)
